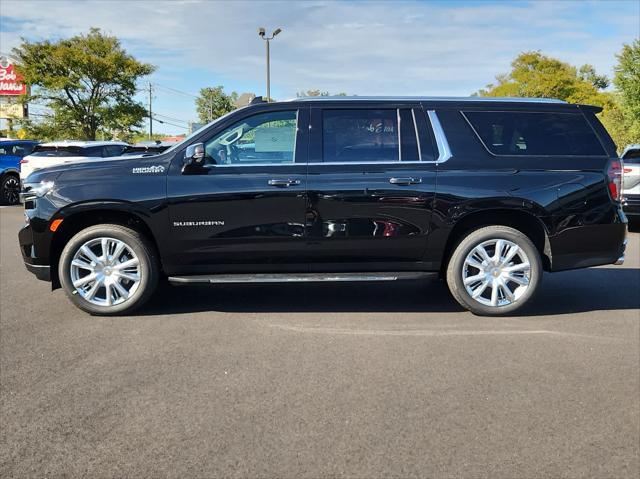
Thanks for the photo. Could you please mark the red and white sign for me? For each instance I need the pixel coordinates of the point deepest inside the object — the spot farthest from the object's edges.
(10, 81)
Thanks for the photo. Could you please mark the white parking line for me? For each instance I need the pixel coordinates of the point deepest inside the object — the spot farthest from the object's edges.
(429, 333)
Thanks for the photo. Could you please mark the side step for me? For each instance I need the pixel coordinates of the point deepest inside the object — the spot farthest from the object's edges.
(297, 277)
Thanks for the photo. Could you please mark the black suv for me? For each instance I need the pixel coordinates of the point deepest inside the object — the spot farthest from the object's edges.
(489, 193)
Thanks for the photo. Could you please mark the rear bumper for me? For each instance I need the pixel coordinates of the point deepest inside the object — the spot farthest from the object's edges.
(584, 246)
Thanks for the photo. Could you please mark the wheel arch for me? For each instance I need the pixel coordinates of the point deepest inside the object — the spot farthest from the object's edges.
(76, 221)
(525, 222)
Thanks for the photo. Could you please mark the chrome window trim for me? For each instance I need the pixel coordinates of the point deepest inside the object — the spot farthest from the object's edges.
(398, 131)
(372, 163)
(415, 128)
(444, 151)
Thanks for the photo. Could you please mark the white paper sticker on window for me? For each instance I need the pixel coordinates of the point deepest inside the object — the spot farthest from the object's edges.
(274, 139)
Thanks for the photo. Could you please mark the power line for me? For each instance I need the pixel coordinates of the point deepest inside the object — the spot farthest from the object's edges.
(171, 118)
(174, 90)
(164, 122)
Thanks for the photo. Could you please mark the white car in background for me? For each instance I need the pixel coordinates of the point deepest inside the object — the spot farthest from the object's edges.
(58, 152)
(631, 181)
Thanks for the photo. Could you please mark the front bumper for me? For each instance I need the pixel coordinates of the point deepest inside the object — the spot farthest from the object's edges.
(35, 252)
(42, 272)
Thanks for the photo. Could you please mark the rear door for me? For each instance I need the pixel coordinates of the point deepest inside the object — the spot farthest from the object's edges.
(371, 185)
(244, 209)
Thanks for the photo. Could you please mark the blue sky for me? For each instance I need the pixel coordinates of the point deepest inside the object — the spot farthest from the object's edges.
(358, 47)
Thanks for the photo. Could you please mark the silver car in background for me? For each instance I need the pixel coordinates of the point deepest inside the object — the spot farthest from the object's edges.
(631, 181)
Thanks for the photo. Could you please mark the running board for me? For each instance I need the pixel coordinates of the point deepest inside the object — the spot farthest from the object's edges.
(297, 277)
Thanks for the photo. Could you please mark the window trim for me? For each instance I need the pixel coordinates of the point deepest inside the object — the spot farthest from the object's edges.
(298, 118)
(604, 151)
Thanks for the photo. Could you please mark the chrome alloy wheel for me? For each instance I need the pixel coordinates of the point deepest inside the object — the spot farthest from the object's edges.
(105, 271)
(496, 272)
(11, 190)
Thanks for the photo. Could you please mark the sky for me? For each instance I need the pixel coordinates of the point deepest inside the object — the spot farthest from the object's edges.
(359, 47)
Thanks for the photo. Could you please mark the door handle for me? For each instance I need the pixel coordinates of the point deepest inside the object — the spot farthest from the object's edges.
(405, 181)
(283, 183)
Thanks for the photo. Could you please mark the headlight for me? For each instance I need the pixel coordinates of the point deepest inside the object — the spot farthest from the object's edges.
(31, 191)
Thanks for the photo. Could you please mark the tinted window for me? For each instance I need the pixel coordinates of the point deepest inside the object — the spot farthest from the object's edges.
(112, 150)
(53, 151)
(632, 157)
(360, 135)
(528, 133)
(23, 149)
(94, 151)
(266, 138)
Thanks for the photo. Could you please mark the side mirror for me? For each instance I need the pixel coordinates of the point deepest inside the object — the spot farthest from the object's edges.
(194, 155)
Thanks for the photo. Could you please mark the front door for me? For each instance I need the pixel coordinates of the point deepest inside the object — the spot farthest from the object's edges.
(371, 185)
(243, 211)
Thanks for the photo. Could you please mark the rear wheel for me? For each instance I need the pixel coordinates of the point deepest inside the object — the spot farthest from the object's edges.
(108, 269)
(494, 271)
(10, 190)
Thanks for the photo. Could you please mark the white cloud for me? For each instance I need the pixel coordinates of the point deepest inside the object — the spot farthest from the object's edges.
(356, 47)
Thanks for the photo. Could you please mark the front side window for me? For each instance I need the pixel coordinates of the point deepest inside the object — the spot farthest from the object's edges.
(360, 136)
(265, 138)
(535, 134)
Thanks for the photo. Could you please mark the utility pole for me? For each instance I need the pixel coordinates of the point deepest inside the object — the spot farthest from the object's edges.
(262, 34)
(150, 112)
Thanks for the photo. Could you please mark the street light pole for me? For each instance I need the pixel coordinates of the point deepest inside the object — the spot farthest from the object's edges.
(262, 34)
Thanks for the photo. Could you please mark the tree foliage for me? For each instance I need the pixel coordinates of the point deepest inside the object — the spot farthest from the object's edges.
(536, 75)
(213, 102)
(87, 82)
(302, 94)
(627, 83)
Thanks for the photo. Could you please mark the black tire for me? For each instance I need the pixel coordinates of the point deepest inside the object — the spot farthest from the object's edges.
(149, 268)
(467, 244)
(10, 190)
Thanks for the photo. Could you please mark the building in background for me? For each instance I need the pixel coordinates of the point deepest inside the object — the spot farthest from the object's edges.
(11, 87)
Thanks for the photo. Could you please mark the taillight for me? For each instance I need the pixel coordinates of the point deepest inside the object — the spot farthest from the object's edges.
(614, 179)
(628, 170)
(23, 161)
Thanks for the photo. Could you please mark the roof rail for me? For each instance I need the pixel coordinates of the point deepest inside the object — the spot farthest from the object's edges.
(429, 98)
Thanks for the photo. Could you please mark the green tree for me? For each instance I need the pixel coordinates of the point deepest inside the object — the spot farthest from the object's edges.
(302, 94)
(627, 83)
(213, 102)
(87, 82)
(536, 75)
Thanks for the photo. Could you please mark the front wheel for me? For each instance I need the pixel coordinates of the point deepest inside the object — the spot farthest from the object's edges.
(108, 269)
(494, 271)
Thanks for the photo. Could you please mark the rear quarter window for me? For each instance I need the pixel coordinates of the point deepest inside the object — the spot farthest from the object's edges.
(515, 133)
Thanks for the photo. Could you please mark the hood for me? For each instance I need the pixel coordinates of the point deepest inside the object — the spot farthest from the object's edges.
(118, 165)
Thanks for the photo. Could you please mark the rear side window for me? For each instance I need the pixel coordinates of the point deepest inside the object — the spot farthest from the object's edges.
(55, 152)
(632, 157)
(360, 136)
(112, 150)
(514, 133)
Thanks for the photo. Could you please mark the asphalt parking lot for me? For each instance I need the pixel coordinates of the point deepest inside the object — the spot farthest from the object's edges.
(364, 380)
